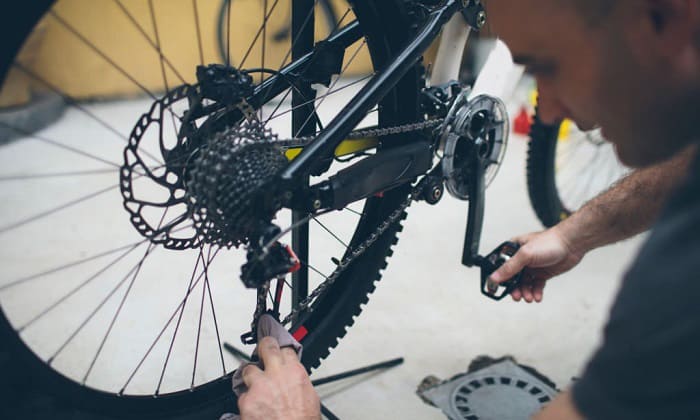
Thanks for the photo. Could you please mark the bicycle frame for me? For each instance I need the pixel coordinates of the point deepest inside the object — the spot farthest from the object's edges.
(402, 164)
(369, 95)
(397, 165)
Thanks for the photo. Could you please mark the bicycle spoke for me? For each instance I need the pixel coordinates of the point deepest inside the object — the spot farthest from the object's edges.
(77, 288)
(303, 104)
(258, 33)
(59, 145)
(279, 104)
(24, 177)
(593, 173)
(354, 211)
(199, 32)
(160, 334)
(158, 46)
(73, 103)
(199, 327)
(150, 41)
(69, 99)
(56, 209)
(576, 192)
(75, 332)
(179, 320)
(150, 247)
(264, 44)
(99, 52)
(228, 33)
(294, 42)
(317, 271)
(68, 265)
(323, 98)
(162, 64)
(331, 233)
(213, 314)
(342, 19)
(64, 206)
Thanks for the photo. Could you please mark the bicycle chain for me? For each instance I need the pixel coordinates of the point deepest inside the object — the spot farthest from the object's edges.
(370, 132)
(305, 305)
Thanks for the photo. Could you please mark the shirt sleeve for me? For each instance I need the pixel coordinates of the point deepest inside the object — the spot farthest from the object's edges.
(648, 366)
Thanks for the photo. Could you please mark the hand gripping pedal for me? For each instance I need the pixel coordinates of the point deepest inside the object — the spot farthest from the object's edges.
(491, 263)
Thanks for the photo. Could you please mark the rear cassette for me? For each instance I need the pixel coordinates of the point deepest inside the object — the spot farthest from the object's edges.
(224, 181)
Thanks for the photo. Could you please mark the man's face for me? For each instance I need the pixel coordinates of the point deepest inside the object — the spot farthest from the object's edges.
(610, 73)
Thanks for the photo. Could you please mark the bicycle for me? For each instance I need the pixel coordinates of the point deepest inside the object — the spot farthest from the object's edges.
(191, 192)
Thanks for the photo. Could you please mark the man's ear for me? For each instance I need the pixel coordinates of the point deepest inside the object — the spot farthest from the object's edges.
(671, 25)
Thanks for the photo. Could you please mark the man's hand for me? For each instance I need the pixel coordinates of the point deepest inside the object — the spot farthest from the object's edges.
(282, 391)
(542, 255)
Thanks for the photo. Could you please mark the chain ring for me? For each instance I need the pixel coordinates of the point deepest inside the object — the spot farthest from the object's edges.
(480, 120)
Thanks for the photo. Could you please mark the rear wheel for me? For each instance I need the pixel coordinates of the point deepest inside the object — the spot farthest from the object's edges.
(94, 314)
(566, 167)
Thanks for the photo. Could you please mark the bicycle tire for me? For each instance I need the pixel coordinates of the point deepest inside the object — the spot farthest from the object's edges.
(53, 394)
(547, 159)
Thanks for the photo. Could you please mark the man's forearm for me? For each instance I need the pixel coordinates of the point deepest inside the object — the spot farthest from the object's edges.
(629, 207)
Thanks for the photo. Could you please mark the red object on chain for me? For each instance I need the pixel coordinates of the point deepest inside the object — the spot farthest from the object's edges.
(522, 122)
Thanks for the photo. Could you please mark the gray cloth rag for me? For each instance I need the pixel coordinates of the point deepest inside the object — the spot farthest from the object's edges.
(267, 327)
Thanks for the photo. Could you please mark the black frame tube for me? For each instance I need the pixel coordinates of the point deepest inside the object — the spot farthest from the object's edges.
(368, 97)
(303, 124)
(276, 84)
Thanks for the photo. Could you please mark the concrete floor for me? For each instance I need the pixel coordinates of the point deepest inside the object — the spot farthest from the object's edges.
(427, 308)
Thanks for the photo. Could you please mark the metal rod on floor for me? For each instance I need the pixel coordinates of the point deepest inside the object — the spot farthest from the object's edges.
(360, 371)
(326, 412)
(236, 352)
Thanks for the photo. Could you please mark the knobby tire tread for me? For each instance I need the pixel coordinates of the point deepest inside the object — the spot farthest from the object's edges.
(541, 173)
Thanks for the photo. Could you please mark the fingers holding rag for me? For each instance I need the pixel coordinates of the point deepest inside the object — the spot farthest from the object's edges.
(270, 353)
(251, 374)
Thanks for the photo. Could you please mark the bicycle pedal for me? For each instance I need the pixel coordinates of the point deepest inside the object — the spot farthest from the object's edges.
(491, 263)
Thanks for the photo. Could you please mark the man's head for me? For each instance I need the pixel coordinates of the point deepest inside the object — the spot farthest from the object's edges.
(630, 66)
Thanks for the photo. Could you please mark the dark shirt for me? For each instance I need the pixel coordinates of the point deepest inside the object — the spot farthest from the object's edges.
(648, 366)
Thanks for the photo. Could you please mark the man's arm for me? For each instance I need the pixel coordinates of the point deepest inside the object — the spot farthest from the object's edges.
(629, 207)
(626, 209)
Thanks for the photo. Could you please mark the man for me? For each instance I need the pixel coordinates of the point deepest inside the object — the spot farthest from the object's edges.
(632, 67)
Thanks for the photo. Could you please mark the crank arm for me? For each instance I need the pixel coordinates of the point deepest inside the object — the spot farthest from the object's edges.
(470, 253)
(475, 217)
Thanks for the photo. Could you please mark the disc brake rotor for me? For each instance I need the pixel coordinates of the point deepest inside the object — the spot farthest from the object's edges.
(198, 188)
